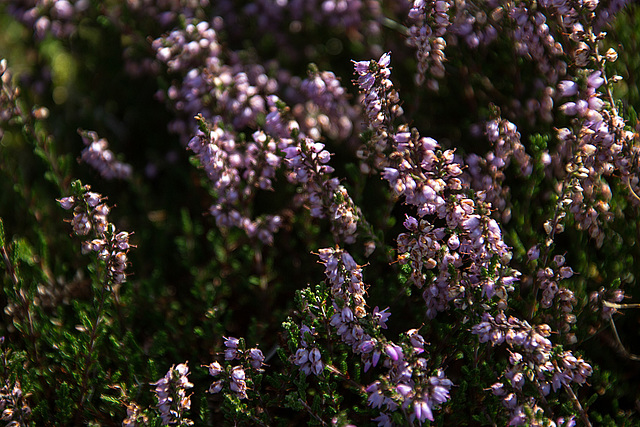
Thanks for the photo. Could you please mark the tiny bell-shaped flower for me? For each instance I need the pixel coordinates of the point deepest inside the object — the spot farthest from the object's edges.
(256, 358)
(215, 369)
(66, 202)
(216, 387)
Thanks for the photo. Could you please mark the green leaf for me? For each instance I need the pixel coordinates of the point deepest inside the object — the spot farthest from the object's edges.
(85, 320)
(203, 414)
(64, 404)
(1, 233)
(22, 251)
(110, 399)
(51, 177)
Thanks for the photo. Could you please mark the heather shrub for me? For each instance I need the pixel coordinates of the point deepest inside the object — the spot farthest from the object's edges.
(346, 212)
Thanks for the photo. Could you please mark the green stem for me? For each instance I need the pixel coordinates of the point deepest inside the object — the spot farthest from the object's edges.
(88, 362)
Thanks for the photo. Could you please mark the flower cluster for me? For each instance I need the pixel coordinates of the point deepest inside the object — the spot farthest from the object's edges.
(90, 221)
(446, 261)
(171, 392)
(381, 106)
(237, 171)
(59, 18)
(134, 416)
(515, 92)
(347, 290)
(421, 399)
(218, 82)
(596, 147)
(488, 173)
(597, 299)
(309, 361)
(308, 167)
(97, 155)
(235, 376)
(279, 122)
(533, 356)
(437, 24)
(239, 93)
(8, 94)
(329, 108)
(308, 357)
(236, 380)
(334, 13)
(183, 50)
(535, 40)
(14, 409)
(548, 280)
(407, 383)
(187, 51)
(432, 181)
(430, 22)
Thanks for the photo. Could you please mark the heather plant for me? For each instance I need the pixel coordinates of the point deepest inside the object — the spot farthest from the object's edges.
(349, 212)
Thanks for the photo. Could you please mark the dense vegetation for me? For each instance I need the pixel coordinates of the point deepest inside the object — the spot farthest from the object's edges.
(338, 212)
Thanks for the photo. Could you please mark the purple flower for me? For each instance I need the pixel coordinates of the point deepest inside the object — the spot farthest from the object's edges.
(498, 389)
(361, 67)
(66, 202)
(511, 401)
(375, 358)
(568, 88)
(393, 351)
(231, 342)
(563, 422)
(569, 108)
(97, 155)
(453, 242)
(256, 358)
(170, 391)
(366, 81)
(381, 317)
(92, 199)
(422, 411)
(237, 374)
(367, 346)
(595, 80)
(376, 399)
(90, 219)
(215, 369)
(385, 60)
(216, 386)
(471, 223)
(404, 389)
(301, 357)
(383, 420)
(559, 379)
